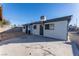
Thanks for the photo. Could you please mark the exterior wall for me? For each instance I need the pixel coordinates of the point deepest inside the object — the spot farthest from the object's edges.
(23, 29)
(59, 32)
(35, 31)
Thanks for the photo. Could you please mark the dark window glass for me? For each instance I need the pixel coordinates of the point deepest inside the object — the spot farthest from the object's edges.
(46, 26)
(49, 26)
(34, 26)
(24, 27)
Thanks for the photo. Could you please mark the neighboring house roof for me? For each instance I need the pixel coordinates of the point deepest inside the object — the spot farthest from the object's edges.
(68, 18)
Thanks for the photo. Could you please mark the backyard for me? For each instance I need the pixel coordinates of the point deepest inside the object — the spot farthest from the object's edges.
(14, 42)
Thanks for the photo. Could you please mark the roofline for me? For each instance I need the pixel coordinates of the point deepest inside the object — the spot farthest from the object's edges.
(68, 18)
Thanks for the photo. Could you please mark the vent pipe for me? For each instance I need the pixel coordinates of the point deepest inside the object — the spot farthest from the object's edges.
(42, 18)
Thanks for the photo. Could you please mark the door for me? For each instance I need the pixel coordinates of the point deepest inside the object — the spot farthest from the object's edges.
(26, 29)
(41, 30)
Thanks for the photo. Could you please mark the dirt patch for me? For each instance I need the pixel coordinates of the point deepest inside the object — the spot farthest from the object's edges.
(11, 33)
(5, 36)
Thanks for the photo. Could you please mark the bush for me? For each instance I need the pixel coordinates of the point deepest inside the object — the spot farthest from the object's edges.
(4, 22)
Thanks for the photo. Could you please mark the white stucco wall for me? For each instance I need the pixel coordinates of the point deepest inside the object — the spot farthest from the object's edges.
(59, 32)
(23, 29)
(35, 31)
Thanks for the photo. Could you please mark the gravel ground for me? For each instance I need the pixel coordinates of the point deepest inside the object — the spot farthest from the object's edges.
(31, 45)
(9, 33)
(74, 37)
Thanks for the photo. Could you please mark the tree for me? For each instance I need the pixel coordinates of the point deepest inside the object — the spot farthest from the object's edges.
(4, 22)
(14, 25)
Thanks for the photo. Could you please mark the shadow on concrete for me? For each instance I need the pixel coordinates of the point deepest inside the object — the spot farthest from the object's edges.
(75, 49)
(74, 43)
(69, 43)
(35, 39)
(24, 38)
(29, 39)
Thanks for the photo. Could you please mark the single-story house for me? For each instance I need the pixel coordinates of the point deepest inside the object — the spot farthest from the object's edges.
(53, 28)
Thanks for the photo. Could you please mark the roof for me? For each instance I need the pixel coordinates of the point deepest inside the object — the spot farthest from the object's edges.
(68, 18)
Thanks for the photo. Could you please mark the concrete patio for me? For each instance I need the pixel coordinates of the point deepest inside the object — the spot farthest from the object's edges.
(31, 45)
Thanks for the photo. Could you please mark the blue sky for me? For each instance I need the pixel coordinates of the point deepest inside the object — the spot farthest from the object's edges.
(20, 13)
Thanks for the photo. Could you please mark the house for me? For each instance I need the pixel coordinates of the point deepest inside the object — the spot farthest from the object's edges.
(53, 28)
(72, 28)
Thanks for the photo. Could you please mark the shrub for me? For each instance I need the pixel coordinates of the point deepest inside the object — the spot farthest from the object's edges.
(4, 22)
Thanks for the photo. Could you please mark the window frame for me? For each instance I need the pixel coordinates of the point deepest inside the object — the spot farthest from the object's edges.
(51, 26)
(34, 27)
(46, 28)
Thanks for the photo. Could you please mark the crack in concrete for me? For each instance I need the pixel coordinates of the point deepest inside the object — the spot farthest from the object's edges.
(49, 52)
(42, 48)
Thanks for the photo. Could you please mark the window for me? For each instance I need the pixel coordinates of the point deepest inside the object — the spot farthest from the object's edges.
(46, 26)
(34, 26)
(24, 27)
(49, 26)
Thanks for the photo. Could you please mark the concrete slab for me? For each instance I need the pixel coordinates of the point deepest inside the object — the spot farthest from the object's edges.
(35, 46)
